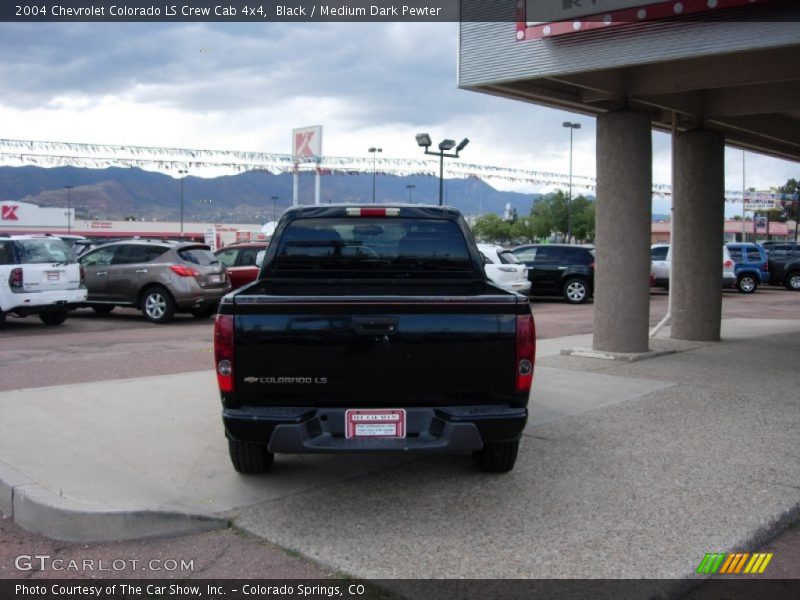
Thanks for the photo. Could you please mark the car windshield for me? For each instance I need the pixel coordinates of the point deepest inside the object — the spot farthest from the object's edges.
(45, 250)
(199, 255)
(379, 247)
(506, 257)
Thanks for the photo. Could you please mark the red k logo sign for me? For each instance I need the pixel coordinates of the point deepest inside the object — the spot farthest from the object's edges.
(301, 141)
(10, 213)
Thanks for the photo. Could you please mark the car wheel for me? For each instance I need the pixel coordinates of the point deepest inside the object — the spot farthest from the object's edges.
(793, 281)
(157, 305)
(103, 309)
(575, 291)
(203, 312)
(497, 457)
(53, 317)
(250, 458)
(746, 283)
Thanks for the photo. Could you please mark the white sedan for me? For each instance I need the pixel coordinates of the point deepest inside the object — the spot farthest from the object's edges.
(504, 269)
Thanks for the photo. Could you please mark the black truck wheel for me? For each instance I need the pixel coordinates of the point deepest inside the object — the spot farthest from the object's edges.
(497, 457)
(250, 458)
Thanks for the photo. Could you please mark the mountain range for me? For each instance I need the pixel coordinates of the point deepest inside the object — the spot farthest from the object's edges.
(120, 193)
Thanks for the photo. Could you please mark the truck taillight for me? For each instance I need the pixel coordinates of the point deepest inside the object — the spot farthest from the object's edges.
(223, 351)
(182, 271)
(15, 280)
(526, 351)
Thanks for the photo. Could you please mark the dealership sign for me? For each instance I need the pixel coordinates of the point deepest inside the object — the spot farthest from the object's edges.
(539, 19)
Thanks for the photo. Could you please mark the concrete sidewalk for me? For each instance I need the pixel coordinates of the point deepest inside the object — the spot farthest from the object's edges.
(626, 470)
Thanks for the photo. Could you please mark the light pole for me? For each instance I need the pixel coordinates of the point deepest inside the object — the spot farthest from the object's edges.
(410, 187)
(571, 127)
(424, 141)
(274, 200)
(182, 172)
(374, 157)
(69, 208)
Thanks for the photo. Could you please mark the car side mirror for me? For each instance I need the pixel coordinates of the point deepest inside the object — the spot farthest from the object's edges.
(260, 257)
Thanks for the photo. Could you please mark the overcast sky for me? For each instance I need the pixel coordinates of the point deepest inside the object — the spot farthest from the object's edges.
(244, 86)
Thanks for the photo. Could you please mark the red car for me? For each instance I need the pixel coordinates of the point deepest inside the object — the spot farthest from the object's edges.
(240, 261)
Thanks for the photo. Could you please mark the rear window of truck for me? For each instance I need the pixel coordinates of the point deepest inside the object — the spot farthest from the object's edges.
(392, 247)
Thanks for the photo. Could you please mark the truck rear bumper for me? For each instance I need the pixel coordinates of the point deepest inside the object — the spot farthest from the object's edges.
(450, 429)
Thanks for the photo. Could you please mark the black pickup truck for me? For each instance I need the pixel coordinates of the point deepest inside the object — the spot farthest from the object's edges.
(373, 328)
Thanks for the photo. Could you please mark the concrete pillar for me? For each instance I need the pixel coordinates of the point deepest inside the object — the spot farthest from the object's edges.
(697, 235)
(622, 223)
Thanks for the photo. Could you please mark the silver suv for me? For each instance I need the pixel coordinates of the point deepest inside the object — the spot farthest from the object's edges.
(38, 276)
(158, 277)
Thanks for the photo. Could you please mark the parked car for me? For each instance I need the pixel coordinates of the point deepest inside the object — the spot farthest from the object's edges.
(559, 269)
(242, 261)
(784, 265)
(159, 277)
(38, 276)
(504, 269)
(751, 266)
(661, 255)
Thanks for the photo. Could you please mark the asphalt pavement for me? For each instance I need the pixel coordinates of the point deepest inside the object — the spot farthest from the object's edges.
(690, 452)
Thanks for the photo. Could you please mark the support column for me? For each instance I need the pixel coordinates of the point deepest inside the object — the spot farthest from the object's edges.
(623, 222)
(697, 235)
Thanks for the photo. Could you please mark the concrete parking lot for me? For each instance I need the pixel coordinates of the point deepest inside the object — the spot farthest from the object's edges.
(682, 454)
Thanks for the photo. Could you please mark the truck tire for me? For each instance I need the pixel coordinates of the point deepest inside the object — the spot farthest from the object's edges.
(53, 317)
(793, 281)
(250, 458)
(747, 283)
(575, 290)
(497, 457)
(157, 304)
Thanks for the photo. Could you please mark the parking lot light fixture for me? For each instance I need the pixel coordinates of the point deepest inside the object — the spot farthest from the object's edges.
(571, 126)
(69, 189)
(374, 155)
(424, 141)
(274, 200)
(182, 173)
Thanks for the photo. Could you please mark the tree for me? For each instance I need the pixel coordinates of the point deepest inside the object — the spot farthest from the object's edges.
(523, 230)
(551, 214)
(789, 200)
(491, 228)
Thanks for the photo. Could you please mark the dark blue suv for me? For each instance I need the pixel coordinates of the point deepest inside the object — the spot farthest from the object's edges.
(751, 266)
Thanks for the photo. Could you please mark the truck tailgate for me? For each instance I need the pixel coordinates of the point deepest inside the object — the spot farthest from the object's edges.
(362, 351)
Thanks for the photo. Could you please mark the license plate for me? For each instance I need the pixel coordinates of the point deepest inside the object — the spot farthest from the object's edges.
(375, 423)
(214, 278)
(53, 276)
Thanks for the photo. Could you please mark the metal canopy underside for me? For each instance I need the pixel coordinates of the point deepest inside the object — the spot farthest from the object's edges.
(739, 78)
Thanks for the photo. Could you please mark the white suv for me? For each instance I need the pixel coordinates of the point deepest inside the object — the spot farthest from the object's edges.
(661, 255)
(38, 275)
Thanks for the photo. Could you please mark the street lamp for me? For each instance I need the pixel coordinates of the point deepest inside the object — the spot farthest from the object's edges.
(69, 208)
(424, 141)
(374, 155)
(274, 200)
(571, 126)
(410, 187)
(182, 172)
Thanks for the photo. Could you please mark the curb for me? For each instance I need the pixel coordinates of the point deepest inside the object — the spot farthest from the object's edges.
(39, 510)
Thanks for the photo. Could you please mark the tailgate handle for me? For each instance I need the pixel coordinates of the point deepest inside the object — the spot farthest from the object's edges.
(373, 325)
